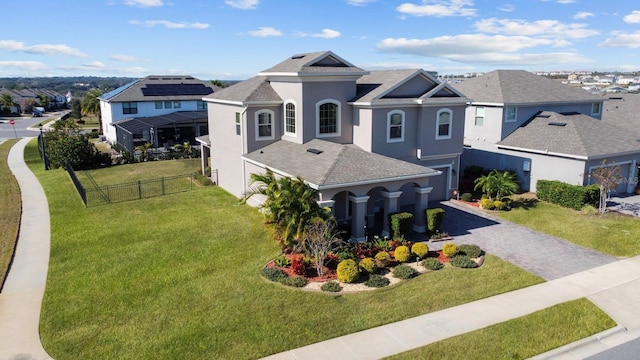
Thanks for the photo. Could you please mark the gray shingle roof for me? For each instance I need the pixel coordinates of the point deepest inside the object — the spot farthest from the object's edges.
(580, 136)
(519, 87)
(134, 125)
(623, 110)
(314, 63)
(337, 164)
(133, 90)
(255, 89)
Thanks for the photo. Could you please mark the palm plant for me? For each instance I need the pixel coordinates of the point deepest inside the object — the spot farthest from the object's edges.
(90, 105)
(500, 184)
(7, 101)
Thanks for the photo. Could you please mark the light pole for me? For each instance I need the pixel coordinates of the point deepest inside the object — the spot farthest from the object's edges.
(152, 131)
(44, 151)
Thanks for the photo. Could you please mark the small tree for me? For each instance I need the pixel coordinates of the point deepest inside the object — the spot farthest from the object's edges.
(608, 176)
(320, 237)
(500, 184)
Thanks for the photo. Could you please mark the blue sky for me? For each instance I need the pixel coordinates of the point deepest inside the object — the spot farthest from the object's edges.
(236, 39)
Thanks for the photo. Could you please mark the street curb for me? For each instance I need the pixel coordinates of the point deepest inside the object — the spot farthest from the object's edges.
(581, 346)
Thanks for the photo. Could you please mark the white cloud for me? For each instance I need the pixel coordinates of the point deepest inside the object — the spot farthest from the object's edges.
(243, 4)
(633, 18)
(94, 65)
(325, 34)
(583, 15)
(566, 1)
(122, 57)
(438, 8)
(507, 8)
(620, 39)
(547, 28)
(40, 49)
(144, 3)
(265, 32)
(169, 24)
(360, 2)
(23, 65)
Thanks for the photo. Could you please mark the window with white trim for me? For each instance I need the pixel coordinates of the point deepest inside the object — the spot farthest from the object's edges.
(510, 114)
(328, 118)
(167, 104)
(595, 109)
(443, 124)
(395, 126)
(177, 105)
(238, 124)
(202, 105)
(290, 118)
(264, 125)
(129, 107)
(479, 115)
(158, 104)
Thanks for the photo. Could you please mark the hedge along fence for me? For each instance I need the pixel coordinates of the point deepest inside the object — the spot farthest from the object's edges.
(567, 195)
(401, 224)
(434, 218)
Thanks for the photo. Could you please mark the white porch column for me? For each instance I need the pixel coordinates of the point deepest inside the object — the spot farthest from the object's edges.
(358, 216)
(421, 204)
(390, 206)
(204, 158)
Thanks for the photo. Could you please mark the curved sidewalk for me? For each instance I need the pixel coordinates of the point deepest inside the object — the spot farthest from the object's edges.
(21, 297)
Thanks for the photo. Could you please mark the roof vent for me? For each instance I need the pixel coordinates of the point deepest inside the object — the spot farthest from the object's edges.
(299, 56)
(314, 151)
(554, 123)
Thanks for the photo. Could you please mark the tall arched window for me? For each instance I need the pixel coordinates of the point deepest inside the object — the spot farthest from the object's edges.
(290, 118)
(395, 126)
(444, 118)
(328, 118)
(264, 125)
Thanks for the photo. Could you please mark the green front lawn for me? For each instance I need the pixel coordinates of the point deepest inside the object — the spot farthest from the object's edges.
(179, 277)
(611, 234)
(140, 171)
(10, 205)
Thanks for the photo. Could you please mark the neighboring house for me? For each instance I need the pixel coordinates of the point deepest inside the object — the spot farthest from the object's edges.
(506, 101)
(25, 99)
(160, 109)
(371, 142)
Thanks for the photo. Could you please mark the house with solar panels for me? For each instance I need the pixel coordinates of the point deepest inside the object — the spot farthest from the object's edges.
(162, 110)
(371, 143)
(543, 129)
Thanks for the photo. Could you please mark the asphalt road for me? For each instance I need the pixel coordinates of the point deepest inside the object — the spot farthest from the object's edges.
(19, 130)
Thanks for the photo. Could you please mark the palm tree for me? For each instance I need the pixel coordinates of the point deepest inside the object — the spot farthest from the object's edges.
(7, 101)
(90, 105)
(501, 184)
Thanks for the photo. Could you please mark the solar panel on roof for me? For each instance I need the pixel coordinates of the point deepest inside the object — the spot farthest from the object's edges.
(175, 89)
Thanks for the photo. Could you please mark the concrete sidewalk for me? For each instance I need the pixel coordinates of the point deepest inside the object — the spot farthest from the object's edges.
(21, 297)
(614, 287)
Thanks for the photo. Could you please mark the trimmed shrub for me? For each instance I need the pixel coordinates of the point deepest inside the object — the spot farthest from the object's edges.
(377, 281)
(348, 271)
(466, 197)
(463, 261)
(282, 261)
(420, 250)
(400, 224)
(567, 195)
(295, 281)
(499, 205)
(369, 265)
(331, 286)
(402, 253)
(449, 249)
(274, 274)
(434, 219)
(383, 259)
(404, 272)
(472, 251)
(487, 204)
(432, 264)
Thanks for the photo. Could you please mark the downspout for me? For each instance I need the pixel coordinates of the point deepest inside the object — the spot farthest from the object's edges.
(242, 142)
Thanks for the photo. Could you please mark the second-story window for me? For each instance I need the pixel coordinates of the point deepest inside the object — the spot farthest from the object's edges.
(595, 109)
(238, 124)
(264, 125)
(479, 115)
(129, 107)
(328, 118)
(290, 118)
(510, 114)
(158, 104)
(395, 126)
(167, 104)
(177, 105)
(202, 105)
(443, 124)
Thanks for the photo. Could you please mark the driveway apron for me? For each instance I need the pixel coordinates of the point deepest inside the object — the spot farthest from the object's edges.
(540, 254)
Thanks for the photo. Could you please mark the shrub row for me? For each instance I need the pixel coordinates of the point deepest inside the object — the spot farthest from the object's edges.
(567, 195)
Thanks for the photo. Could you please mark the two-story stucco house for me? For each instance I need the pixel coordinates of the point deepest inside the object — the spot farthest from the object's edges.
(542, 129)
(158, 109)
(371, 142)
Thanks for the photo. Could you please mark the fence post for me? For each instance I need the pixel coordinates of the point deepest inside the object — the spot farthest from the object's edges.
(139, 190)
(162, 182)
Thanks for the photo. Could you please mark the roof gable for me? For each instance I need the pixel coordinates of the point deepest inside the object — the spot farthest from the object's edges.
(161, 87)
(316, 63)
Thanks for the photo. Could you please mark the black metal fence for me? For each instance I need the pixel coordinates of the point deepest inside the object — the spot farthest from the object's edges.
(135, 190)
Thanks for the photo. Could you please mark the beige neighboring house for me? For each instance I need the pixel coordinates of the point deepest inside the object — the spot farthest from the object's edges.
(371, 142)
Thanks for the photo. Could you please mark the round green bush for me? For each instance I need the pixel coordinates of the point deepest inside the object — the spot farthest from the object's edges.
(369, 265)
(472, 251)
(420, 250)
(449, 249)
(499, 205)
(377, 281)
(402, 253)
(274, 274)
(331, 286)
(487, 204)
(348, 271)
(466, 197)
(432, 264)
(295, 281)
(383, 259)
(463, 261)
(404, 272)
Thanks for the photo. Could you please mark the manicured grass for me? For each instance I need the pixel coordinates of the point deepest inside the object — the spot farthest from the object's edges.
(179, 277)
(140, 171)
(90, 122)
(10, 210)
(612, 233)
(523, 337)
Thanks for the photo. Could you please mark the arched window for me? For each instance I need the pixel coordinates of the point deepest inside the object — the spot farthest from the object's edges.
(443, 124)
(395, 126)
(264, 125)
(290, 118)
(328, 118)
